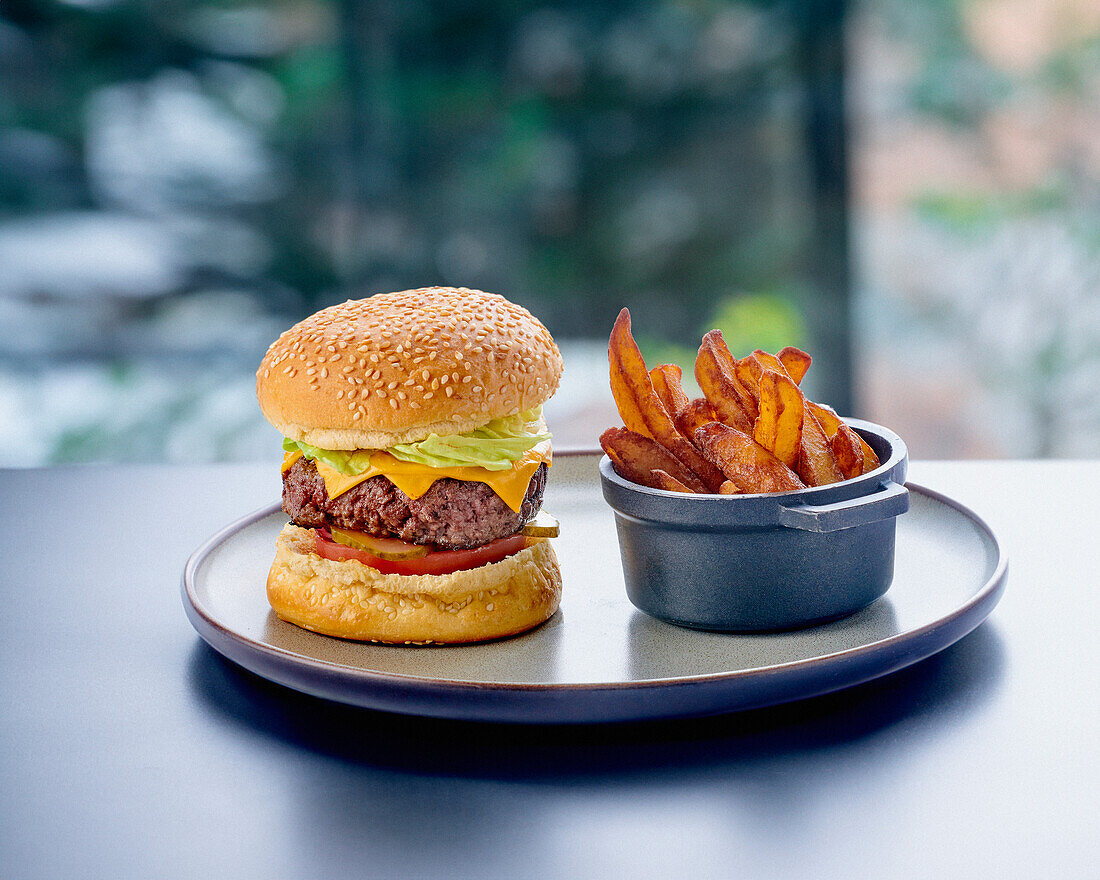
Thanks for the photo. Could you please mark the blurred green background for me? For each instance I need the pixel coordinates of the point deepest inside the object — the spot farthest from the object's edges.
(911, 191)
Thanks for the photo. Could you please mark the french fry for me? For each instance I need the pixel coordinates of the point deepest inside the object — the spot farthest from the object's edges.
(853, 455)
(816, 461)
(640, 398)
(625, 402)
(746, 464)
(778, 428)
(751, 368)
(831, 422)
(817, 464)
(666, 380)
(714, 344)
(870, 459)
(721, 390)
(728, 488)
(698, 413)
(636, 457)
(796, 361)
(662, 480)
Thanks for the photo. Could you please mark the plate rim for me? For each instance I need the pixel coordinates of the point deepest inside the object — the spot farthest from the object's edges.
(967, 616)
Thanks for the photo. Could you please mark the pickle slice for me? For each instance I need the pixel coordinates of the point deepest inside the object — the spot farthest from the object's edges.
(382, 548)
(542, 526)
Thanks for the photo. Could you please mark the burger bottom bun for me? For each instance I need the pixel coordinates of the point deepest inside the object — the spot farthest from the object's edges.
(354, 601)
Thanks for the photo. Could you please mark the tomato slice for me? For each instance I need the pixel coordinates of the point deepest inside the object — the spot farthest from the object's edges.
(436, 562)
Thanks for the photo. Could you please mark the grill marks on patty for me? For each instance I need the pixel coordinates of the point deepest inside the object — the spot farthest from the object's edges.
(452, 514)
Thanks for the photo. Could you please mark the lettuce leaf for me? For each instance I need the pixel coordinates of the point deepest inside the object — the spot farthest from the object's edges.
(493, 446)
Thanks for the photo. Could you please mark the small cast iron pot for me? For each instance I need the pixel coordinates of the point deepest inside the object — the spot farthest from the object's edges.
(743, 563)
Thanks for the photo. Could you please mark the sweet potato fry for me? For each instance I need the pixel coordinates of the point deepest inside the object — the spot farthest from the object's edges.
(778, 428)
(698, 413)
(746, 464)
(639, 398)
(662, 480)
(636, 457)
(796, 361)
(728, 488)
(816, 461)
(666, 380)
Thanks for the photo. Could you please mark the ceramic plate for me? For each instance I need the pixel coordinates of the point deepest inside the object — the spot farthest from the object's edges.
(598, 658)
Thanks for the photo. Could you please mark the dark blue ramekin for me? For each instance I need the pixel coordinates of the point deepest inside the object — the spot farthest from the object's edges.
(749, 563)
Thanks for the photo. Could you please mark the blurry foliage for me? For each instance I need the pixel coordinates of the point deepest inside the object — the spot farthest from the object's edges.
(992, 248)
(571, 156)
(761, 321)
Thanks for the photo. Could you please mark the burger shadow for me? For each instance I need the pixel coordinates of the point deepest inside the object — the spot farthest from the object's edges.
(939, 691)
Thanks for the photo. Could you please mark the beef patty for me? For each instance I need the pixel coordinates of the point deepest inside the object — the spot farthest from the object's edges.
(452, 514)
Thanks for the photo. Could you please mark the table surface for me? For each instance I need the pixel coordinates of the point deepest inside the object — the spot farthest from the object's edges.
(128, 748)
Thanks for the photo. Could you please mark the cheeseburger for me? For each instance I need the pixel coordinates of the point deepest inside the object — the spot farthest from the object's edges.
(415, 460)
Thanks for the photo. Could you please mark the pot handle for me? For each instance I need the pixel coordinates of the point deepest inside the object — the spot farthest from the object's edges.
(891, 499)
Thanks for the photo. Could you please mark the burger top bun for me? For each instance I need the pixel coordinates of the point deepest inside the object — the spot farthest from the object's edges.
(396, 367)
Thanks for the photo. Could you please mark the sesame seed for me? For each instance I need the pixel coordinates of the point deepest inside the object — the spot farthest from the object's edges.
(393, 402)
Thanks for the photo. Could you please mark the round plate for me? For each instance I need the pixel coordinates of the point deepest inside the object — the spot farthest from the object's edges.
(598, 658)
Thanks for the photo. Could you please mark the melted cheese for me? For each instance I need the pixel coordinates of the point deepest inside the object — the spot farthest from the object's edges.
(415, 479)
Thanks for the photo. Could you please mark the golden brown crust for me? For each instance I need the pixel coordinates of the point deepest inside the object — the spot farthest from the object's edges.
(396, 367)
(354, 601)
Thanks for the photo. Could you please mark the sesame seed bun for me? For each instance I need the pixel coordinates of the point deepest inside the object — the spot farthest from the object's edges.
(354, 601)
(396, 367)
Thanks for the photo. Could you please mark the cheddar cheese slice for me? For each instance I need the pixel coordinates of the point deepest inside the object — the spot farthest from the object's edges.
(415, 479)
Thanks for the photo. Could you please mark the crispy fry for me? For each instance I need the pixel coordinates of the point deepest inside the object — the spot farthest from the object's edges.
(728, 488)
(848, 449)
(816, 461)
(779, 426)
(666, 380)
(870, 459)
(721, 389)
(662, 480)
(853, 447)
(625, 402)
(748, 376)
(627, 361)
(698, 413)
(716, 349)
(751, 368)
(636, 456)
(853, 455)
(746, 463)
(826, 417)
(796, 361)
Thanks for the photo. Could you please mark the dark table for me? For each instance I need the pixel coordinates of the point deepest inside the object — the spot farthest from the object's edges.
(128, 748)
